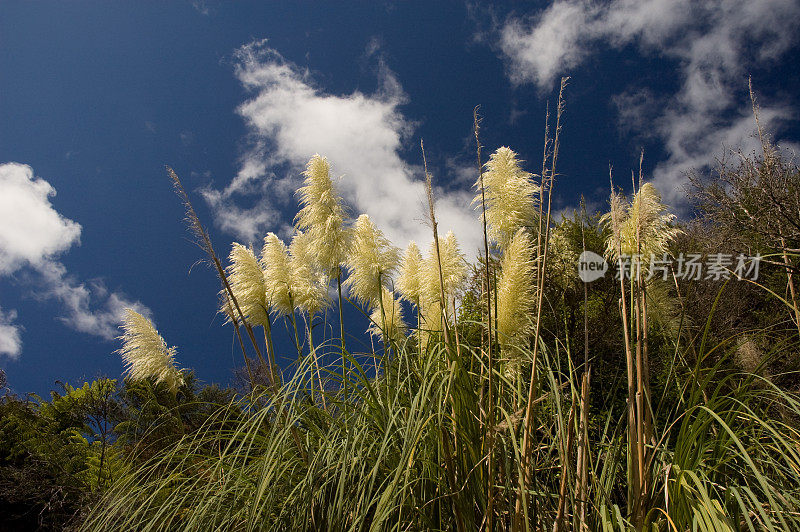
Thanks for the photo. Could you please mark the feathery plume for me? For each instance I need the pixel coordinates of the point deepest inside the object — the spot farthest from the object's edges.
(454, 268)
(649, 217)
(664, 309)
(645, 217)
(613, 220)
(246, 279)
(388, 321)
(309, 284)
(408, 282)
(510, 196)
(454, 273)
(276, 264)
(145, 353)
(515, 294)
(322, 216)
(371, 262)
(562, 259)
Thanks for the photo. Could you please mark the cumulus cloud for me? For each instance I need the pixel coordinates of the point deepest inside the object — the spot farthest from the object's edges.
(713, 45)
(31, 231)
(290, 119)
(32, 236)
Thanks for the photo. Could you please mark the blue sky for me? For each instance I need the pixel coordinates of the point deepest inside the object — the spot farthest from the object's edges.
(96, 97)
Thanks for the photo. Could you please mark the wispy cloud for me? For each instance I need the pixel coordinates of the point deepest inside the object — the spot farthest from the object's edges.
(88, 307)
(290, 119)
(201, 7)
(713, 45)
(32, 235)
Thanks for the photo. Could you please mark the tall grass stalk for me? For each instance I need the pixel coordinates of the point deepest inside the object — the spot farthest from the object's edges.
(204, 242)
(489, 416)
(525, 468)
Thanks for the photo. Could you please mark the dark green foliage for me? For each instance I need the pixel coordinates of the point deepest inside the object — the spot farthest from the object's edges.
(59, 455)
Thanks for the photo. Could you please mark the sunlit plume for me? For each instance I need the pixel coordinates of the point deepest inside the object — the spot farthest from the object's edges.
(408, 281)
(453, 266)
(510, 196)
(145, 353)
(371, 262)
(613, 221)
(309, 284)
(322, 216)
(643, 227)
(515, 295)
(246, 279)
(276, 263)
(453, 274)
(387, 320)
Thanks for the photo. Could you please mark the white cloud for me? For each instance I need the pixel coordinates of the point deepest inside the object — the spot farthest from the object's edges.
(10, 340)
(290, 119)
(252, 181)
(540, 48)
(32, 235)
(89, 307)
(31, 231)
(713, 45)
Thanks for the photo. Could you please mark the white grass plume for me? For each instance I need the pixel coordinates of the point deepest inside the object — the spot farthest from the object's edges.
(309, 285)
(276, 264)
(371, 262)
(454, 269)
(453, 275)
(515, 294)
(644, 216)
(145, 353)
(510, 194)
(322, 216)
(246, 279)
(395, 327)
(408, 281)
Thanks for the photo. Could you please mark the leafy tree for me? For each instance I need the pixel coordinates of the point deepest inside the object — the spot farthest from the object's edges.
(59, 455)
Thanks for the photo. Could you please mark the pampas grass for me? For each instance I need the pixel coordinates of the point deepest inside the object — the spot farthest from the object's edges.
(145, 353)
(515, 295)
(453, 269)
(441, 276)
(309, 282)
(386, 320)
(510, 196)
(246, 279)
(409, 282)
(322, 216)
(371, 263)
(642, 227)
(425, 441)
(277, 266)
